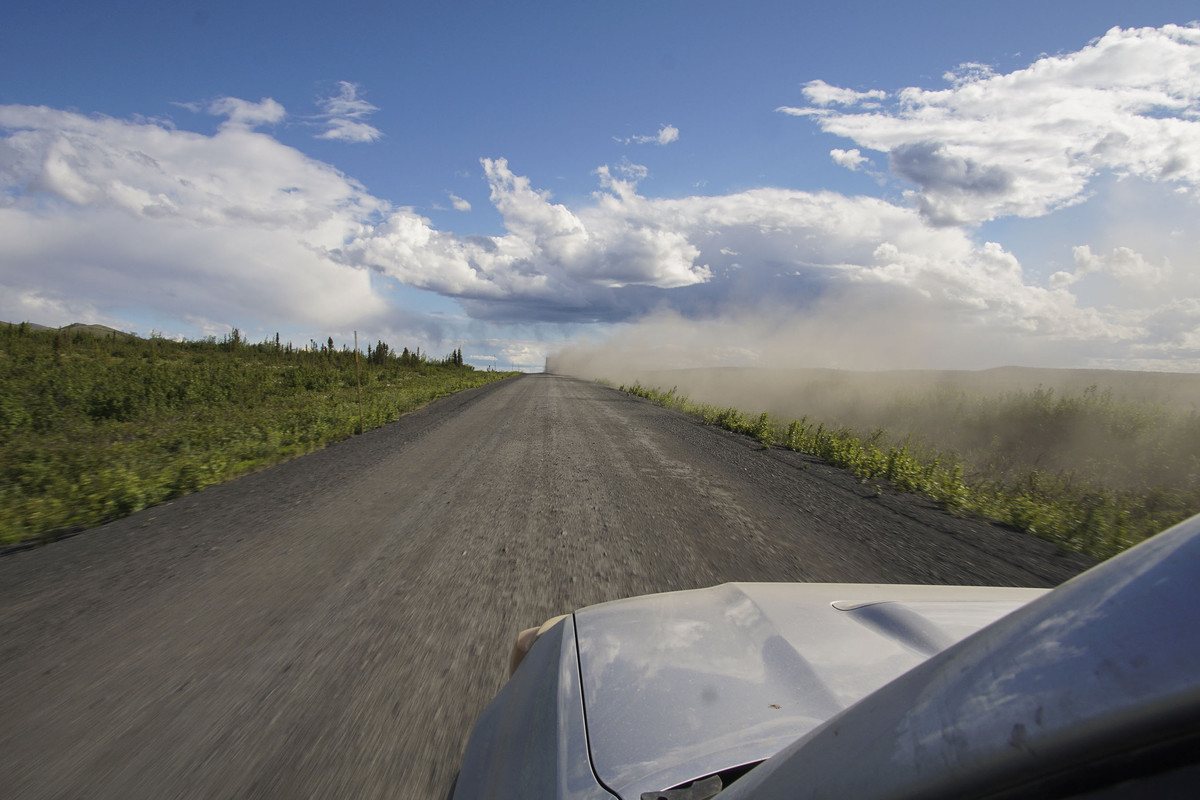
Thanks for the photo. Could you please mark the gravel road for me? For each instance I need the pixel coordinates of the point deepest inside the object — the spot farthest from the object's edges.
(331, 627)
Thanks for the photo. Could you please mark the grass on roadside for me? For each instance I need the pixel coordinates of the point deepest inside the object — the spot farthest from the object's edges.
(1079, 510)
(93, 428)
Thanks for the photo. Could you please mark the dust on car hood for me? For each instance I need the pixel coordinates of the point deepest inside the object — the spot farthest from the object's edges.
(680, 685)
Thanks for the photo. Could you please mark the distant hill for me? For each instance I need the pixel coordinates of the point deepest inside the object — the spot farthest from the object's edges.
(80, 327)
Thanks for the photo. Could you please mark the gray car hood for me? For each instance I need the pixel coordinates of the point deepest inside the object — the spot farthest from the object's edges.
(680, 685)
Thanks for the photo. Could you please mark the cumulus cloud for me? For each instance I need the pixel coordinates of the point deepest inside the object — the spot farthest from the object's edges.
(134, 214)
(627, 254)
(821, 93)
(107, 214)
(623, 177)
(550, 262)
(1126, 265)
(459, 203)
(850, 159)
(1028, 142)
(245, 114)
(951, 184)
(1177, 323)
(344, 115)
(969, 72)
(666, 135)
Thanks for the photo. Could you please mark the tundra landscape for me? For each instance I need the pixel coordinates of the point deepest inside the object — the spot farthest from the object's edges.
(465, 316)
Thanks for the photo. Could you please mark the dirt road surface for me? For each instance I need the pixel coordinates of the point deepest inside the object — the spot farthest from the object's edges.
(331, 627)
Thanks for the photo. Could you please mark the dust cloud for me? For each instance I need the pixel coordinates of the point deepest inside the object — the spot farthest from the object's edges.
(849, 355)
(1122, 429)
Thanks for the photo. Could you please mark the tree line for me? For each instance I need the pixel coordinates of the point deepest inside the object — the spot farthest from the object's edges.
(97, 339)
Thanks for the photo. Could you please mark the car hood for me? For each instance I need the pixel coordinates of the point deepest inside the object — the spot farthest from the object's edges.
(681, 685)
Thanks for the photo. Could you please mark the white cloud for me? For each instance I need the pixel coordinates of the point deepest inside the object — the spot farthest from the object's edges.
(821, 93)
(234, 272)
(118, 214)
(245, 114)
(850, 159)
(550, 259)
(105, 214)
(1124, 264)
(35, 305)
(459, 203)
(621, 179)
(666, 135)
(346, 130)
(1177, 323)
(1028, 142)
(599, 261)
(969, 72)
(344, 115)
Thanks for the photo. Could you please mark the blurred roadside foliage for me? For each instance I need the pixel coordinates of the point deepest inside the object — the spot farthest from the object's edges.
(1085, 471)
(96, 426)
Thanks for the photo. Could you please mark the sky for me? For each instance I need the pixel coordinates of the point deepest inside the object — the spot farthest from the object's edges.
(858, 185)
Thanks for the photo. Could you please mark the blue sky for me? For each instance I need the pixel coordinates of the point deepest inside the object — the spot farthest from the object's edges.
(868, 184)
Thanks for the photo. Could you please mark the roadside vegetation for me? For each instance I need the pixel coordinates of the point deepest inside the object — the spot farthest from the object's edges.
(1085, 471)
(95, 427)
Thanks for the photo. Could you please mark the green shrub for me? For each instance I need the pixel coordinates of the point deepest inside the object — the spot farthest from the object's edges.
(96, 428)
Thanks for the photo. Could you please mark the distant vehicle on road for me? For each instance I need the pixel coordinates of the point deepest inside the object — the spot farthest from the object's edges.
(772, 691)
